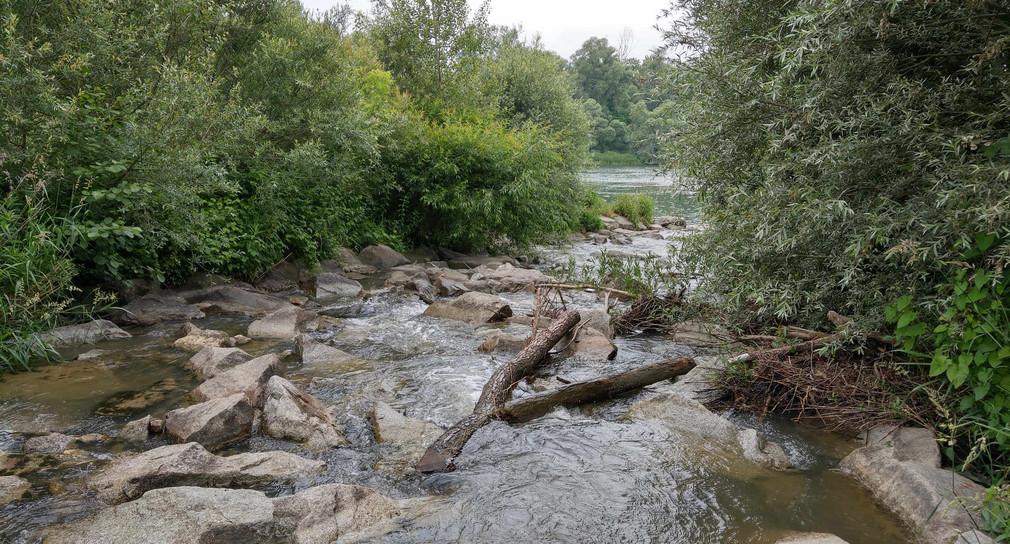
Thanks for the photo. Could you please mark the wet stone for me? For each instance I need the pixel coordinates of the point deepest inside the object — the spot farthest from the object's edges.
(12, 488)
(214, 423)
(53, 443)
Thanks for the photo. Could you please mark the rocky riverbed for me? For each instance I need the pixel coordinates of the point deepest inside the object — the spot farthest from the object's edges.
(295, 409)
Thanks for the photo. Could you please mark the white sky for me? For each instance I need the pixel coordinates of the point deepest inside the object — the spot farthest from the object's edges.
(565, 24)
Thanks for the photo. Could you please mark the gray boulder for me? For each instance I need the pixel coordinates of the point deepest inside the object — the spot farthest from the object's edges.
(213, 423)
(230, 299)
(338, 513)
(313, 352)
(473, 308)
(12, 488)
(474, 261)
(901, 467)
(514, 279)
(421, 255)
(154, 308)
(448, 287)
(424, 290)
(670, 221)
(332, 287)
(285, 323)
(52, 443)
(136, 431)
(212, 360)
(282, 277)
(177, 515)
(412, 436)
(291, 414)
(85, 333)
(195, 339)
(382, 257)
(127, 478)
(974, 537)
(621, 222)
(687, 417)
(248, 378)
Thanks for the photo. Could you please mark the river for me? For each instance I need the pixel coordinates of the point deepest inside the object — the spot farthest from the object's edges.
(580, 475)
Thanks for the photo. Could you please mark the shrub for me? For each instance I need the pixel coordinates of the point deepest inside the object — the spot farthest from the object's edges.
(637, 208)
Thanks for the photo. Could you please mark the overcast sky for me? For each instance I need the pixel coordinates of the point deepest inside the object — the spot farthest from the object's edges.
(565, 24)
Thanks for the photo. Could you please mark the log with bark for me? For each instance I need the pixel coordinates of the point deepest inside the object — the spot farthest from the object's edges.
(534, 406)
(438, 457)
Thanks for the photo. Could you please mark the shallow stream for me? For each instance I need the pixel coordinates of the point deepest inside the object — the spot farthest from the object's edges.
(579, 475)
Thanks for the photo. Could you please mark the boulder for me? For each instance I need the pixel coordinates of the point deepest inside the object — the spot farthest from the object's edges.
(608, 222)
(313, 352)
(670, 221)
(212, 360)
(177, 515)
(399, 278)
(599, 320)
(52, 443)
(129, 477)
(473, 308)
(421, 255)
(382, 257)
(346, 257)
(230, 299)
(901, 467)
(423, 289)
(473, 261)
(85, 333)
(590, 343)
(285, 323)
(974, 537)
(412, 436)
(699, 383)
(448, 287)
(687, 417)
(291, 414)
(195, 339)
(516, 279)
(503, 343)
(331, 287)
(622, 223)
(213, 423)
(282, 277)
(137, 430)
(155, 308)
(811, 538)
(248, 378)
(12, 488)
(337, 513)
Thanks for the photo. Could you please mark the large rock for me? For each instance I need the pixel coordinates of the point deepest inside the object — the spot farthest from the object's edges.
(282, 277)
(670, 221)
(214, 423)
(316, 354)
(177, 515)
(590, 345)
(621, 222)
(513, 279)
(248, 378)
(230, 299)
(974, 537)
(285, 323)
(195, 339)
(154, 308)
(700, 383)
(291, 414)
(331, 287)
(12, 488)
(901, 467)
(684, 416)
(190, 464)
(474, 261)
(811, 538)
(51, 444)
(211, 361)
(411, 435)
(382, 257)
(137, 430)
(448, 287)
(337, 513)
(85, 333)
(473, 308)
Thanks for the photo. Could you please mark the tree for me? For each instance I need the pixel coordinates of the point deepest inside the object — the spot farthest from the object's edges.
(600, 75)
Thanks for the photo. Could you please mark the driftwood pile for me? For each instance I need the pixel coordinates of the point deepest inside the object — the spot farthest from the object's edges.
(494, 402)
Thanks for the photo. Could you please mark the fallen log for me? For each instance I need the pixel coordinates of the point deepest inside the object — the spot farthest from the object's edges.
(841, 321)
(438, 457)
(534, 406)
(809, 345)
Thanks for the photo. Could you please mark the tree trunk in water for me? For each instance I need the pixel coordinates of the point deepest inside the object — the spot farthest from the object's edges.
(438, 457)
(534, 406)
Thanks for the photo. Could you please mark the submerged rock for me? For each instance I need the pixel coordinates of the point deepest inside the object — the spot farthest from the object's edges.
(212, 360)
(85, 333)
(411, 435)
(177, 515)
(811, 538)
(127, 478)
(382, 257)
(291, 414)
(52, 443)
(473, 308)
(901, 467)
(688, 417)
(12, 488)
(213, 423)
(248, 378)
(284, 324)
(151, 309)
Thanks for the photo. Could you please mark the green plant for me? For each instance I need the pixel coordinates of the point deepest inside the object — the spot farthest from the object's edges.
(637, 208)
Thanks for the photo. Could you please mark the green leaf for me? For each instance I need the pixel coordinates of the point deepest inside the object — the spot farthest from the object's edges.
(905, 319)
(984, 241)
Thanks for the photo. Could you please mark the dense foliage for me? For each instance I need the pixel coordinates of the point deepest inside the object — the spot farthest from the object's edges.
(157, 139)
(852, 156)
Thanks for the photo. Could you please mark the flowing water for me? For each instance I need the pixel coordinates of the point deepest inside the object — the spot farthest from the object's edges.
(578, 475)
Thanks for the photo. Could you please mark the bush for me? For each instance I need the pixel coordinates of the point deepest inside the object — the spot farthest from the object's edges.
(590, 221)
(637, 208)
